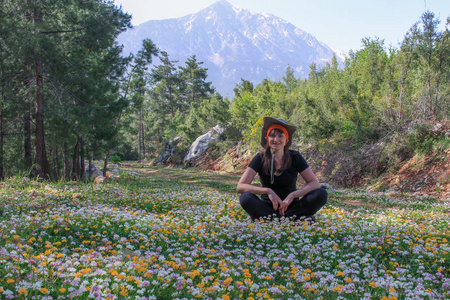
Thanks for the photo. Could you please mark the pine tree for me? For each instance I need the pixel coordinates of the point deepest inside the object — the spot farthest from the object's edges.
(71, 67)
(193, 80)
(167, 85)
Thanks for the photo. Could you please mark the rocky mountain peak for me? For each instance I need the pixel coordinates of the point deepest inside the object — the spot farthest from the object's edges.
(234, 43)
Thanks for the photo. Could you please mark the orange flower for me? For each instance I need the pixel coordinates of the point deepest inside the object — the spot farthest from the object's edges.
(23, 291)
(338, 288)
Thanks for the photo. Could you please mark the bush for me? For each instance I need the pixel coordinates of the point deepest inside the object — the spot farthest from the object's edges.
(126, 152)
(421, 138)
(115, 159)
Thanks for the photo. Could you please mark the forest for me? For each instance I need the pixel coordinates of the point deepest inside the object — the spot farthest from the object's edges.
(68, 95)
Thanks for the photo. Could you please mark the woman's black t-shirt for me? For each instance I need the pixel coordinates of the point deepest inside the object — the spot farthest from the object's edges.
(285, 183)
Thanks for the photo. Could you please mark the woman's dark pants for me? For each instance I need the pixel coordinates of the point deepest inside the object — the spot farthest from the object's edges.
(307, 206)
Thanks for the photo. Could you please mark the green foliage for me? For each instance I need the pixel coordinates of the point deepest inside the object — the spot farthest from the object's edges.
(126, 152)
(88, 88)
(52, 59)
(379, 91)
(115, 159)
(422, 139)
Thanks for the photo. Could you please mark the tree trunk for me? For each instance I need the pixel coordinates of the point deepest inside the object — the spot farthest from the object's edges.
(171, 103)
(402, 85)
(106, 161)
(43, 167)
(140, 135)
(2, 124)
(90, 164)
(58, 174)
(2, 135)
(82, 166)
(143, 141)
(28, 154)
(66, 162)
(76, 160)
(438, 81)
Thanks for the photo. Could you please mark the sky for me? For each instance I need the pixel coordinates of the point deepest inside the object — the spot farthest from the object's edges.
(341, 24)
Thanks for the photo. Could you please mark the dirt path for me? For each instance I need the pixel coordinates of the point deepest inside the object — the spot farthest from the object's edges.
(208, 179)
(226, 182)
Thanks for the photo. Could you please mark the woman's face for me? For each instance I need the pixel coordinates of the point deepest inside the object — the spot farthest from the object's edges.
(277, 139)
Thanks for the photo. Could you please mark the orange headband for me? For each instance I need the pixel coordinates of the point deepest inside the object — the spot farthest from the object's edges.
(277, 126)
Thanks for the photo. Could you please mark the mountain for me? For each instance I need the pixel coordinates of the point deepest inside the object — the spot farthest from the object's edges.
(234, 43)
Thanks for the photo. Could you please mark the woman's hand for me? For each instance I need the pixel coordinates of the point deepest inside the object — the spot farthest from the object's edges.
(285, 204)
(276, 201)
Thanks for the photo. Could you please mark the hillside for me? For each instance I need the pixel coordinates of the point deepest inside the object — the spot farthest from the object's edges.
(421, 175)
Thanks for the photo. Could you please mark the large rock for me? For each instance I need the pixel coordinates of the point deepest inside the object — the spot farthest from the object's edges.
(94, 172)
(201, 144)
(168, 151)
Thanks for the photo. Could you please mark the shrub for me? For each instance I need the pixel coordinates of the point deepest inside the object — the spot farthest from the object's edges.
(115, 159)
(421, 138)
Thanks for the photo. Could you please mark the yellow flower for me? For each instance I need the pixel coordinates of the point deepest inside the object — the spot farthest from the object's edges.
(392, 290)
(124, 293)
(337, 288)
(225, 297)
(227, 281)
(23, 291)
(340, 273)
(10, 281)
(373, 284)
(44, 291)
(62, 290)
(348, 280)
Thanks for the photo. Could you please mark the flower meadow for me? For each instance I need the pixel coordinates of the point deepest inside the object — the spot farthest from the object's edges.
(146, 237)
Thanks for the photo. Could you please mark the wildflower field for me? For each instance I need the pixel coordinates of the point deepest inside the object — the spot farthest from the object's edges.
(147, 237)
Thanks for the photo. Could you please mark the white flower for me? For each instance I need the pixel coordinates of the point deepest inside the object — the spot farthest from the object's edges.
(254, 287)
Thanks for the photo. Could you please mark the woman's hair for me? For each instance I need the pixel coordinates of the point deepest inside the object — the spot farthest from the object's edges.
(267, 156)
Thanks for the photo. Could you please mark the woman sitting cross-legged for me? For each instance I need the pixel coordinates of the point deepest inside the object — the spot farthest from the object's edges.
(278, 168)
